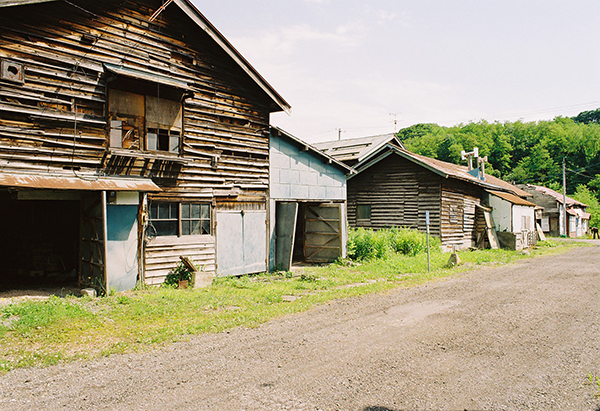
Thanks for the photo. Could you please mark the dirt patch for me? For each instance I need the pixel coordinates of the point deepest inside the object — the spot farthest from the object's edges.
(15, 296)
(519, 337)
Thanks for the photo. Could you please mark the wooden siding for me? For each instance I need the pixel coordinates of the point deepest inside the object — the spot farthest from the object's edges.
(459, 222)
(162, 254)
(399, 193)
(56, 118)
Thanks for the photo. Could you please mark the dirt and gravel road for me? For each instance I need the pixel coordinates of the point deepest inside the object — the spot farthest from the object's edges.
(518, 337)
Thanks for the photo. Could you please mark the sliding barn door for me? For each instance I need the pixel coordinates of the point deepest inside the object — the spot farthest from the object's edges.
(322, 232)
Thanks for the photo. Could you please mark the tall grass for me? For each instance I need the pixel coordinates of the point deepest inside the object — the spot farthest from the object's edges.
(366, 244)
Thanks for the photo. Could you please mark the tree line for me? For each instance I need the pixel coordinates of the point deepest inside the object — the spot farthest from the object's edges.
(523, 152)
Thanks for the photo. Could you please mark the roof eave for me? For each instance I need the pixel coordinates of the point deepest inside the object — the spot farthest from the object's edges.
(193, 13)
(329, 159)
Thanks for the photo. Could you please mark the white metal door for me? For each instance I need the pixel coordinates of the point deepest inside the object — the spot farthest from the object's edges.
(241, 242)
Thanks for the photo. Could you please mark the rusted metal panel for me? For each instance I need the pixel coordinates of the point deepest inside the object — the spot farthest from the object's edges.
(89, 183)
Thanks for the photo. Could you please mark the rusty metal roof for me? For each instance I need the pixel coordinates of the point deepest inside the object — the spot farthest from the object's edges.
(511, 198)
(557, 196)
(87, 183)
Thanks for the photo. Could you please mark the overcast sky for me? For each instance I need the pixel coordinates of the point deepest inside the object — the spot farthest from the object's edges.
(357, 65)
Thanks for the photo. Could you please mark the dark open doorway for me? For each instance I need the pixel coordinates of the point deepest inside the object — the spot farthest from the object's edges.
(39, 245)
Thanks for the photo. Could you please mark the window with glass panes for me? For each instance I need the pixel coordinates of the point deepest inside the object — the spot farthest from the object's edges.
(195, 219)
(177, 219)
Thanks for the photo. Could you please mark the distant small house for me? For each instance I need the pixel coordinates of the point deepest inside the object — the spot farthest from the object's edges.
(514, 219)
(552, 218)
(396, 188)
(307, 201)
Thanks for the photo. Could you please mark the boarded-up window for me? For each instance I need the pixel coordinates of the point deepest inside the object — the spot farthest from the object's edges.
(144, 122)
(545, 224)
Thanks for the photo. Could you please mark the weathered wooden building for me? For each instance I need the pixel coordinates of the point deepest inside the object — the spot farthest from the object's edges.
(307, 203)
(130, 133)
(552, 216)
(393, 187)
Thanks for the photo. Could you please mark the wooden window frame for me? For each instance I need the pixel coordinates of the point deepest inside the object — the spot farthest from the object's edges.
(181, 218)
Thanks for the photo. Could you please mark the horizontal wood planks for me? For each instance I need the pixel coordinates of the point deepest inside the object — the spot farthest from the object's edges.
(400, 192)
(162, 255)
(56, 116)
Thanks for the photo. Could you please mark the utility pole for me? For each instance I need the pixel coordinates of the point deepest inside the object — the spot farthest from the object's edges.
(395, 121)
(566, 222)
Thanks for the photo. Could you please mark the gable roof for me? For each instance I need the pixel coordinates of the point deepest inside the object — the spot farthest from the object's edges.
(354, 150)
(276, 131)
(202, 22)
(557, 196)
(439, 167)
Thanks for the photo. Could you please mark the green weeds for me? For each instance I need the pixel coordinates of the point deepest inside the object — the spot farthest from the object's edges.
(43, 333)
(594, 381)
(366, 244)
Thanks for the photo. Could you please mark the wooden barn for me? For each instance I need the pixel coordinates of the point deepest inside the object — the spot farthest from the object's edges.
(393, 187)
(131, 133)
(308, 203)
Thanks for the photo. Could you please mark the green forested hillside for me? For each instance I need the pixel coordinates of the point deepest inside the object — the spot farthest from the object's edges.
(522, 152)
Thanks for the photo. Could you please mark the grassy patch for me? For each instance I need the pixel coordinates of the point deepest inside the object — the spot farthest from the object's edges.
(66, 329)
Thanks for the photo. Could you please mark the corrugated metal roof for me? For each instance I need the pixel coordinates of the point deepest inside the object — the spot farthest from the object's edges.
(88, 183)
(356, 149)
(511, 198)
(556, 195)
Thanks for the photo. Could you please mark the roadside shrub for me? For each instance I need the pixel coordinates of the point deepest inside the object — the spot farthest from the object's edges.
(179, 273)
(366, 244)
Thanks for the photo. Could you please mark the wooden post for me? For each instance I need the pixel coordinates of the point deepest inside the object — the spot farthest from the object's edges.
(427, 224)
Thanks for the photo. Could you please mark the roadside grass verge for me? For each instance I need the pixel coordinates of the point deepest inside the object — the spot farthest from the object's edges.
(43, 333)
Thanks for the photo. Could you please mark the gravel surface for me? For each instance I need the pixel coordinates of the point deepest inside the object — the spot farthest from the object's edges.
(518, 337)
